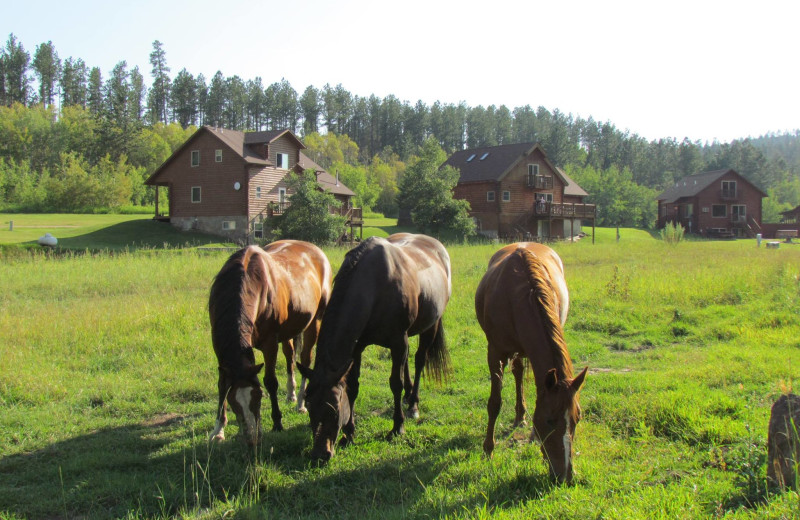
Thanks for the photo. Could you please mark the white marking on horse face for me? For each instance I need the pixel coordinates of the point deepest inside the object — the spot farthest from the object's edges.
(567, 443)
(244, 396)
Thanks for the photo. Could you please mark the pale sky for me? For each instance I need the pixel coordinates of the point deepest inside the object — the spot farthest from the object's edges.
(699, 69)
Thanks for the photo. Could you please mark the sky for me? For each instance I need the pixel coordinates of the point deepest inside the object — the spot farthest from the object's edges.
(702, 69)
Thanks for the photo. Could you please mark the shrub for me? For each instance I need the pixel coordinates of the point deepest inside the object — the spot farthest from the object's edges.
(672, 233)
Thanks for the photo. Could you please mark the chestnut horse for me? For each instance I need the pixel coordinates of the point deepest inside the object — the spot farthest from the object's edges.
(385, 291)
(522, 304)
(262, 297)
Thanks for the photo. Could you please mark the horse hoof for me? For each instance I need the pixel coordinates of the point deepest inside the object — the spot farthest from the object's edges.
(291, 399)
(414, 413)
(277, 428)
(218, 437)
(302, 409)
(395, 433)
(345, 441)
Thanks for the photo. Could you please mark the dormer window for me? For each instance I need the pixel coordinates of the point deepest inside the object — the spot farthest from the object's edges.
(484, 156)
(282, 161)
(470, 157)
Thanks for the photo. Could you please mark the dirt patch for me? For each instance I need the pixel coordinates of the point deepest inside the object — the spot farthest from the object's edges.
(164, 419)
(609, 370)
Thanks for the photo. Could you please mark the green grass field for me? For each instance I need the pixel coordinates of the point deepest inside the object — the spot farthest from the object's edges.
(108, 389)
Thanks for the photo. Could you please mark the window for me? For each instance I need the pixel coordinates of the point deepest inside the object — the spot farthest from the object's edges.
(471, 157)
(195, 193)
(283, 161)
(489, 196)
(719, 210)
(548, 197)
(533, 169)
(195, 158)
(218, 155)
(281, 195)
(258, 229)
(228, 225)
(739, 213)
(506, 196)
(258, 192)
(484, 156)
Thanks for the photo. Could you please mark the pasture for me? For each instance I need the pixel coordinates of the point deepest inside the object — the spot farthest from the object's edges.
(108, 391)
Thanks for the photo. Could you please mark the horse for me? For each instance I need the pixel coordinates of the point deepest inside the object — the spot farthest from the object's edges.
(522, 303)
(262, 297)
(386, 290)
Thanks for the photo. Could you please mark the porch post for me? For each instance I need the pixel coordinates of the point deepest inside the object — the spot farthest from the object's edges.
(156, 201)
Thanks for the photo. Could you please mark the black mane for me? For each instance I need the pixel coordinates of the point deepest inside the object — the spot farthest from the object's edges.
(230, 323)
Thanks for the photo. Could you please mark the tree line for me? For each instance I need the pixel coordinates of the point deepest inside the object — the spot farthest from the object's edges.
(83, 118)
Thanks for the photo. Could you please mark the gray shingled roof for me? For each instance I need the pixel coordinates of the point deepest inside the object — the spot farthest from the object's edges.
(694, 184)
(492, 163)
(488, 163)
(326, 181)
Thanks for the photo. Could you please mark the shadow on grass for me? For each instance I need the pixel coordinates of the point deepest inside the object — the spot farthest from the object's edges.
(103, 474)
(137, 234)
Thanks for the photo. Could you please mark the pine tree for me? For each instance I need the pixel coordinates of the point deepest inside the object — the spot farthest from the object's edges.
(160, 90)
(15, 72)
(47, 68)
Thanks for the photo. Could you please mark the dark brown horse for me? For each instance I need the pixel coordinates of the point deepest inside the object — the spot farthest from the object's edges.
(262, 297)
(522, 303)
(385, 291)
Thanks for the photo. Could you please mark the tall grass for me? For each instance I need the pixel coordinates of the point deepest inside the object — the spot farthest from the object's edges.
(108, 383)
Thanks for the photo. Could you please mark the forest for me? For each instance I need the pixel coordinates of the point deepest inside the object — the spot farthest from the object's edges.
(74, 138)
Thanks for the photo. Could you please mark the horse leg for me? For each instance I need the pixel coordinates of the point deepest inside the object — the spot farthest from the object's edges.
(309, 339)
(222, 415)
(518, 369)
(497, 365)
(399, 358)
(271, 383)
(426, 338)
(408, 384)
(288, 352)
(349, 429)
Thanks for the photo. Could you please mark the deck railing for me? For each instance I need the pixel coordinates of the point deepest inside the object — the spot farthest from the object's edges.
(564, 209)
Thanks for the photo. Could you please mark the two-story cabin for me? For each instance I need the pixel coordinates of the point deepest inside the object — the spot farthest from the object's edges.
(515, 191)
(227, 182)
(718, 203)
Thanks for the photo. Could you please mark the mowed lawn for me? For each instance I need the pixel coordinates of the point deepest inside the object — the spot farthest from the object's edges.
(108, 389)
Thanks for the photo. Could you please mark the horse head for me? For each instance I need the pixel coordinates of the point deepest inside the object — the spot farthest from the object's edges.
(328, 408)
(244, 395)
(554, 420)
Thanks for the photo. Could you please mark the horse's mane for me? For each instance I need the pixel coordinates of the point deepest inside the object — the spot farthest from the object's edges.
(544, 292)
(341, 282)
(231, 296)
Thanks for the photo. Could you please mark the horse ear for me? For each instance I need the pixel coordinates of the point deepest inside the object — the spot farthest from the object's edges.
(551, 379)
(341, 374)
(576, 383)
(256, 369)
(305, 371)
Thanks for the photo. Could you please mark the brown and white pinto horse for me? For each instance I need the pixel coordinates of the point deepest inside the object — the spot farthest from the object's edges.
(522, 304)
(385, 291)
(262, 297)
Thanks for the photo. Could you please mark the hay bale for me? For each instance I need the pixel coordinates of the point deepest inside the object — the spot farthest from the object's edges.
(783, 442)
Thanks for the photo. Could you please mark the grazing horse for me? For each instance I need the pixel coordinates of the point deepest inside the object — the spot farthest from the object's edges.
(386, 290)
(522, 303)
(262, 297)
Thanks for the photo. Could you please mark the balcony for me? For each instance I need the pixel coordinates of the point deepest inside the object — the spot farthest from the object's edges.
(564, 210)
(539, 182)
(728, 194)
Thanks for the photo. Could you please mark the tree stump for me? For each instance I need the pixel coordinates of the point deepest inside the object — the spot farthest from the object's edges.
(783, 442)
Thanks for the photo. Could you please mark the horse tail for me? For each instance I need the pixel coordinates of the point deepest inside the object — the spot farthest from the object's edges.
(437, 362)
